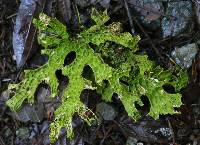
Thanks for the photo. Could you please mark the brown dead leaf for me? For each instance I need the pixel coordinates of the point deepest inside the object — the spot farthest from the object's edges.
(151, 11)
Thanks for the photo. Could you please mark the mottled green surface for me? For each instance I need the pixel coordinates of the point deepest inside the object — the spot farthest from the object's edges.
(141, 75)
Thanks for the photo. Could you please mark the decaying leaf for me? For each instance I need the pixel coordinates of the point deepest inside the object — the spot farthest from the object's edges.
(149, 9)
(24, 34)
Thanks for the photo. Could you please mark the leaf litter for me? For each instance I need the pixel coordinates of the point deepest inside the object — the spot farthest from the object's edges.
(175, 124)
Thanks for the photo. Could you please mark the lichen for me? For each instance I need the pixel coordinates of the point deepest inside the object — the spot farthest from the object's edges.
(143, 77)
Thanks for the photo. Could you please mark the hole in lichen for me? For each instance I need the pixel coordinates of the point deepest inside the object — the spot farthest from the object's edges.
(116, 100)
(146, 105)
(93, 46)
(90, 98)
(106, 83)
(88, 73)
(63, 81)
(69, 58)
(37, 60)
(42, 92)
(123, 80)
(169, 88)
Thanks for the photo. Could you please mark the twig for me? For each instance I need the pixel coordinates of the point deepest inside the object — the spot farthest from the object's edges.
(11, 16)
(1, 141)
(95, 131)
(151, 43)
(105, 135)
(124, 132)
(171, 128)
(75, 8)
(129, 17)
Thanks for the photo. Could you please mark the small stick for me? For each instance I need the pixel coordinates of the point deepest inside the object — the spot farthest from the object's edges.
(143, 31)
(172, 131)
(152, 44)
(13, 15)
(129, 17)
(1, 141)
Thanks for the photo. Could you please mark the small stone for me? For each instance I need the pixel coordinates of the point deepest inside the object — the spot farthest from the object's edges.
(107, 112)
(184, 55)
(5, 95)
(195, 142)
(33, 113)
(140, 143)
(192, 137)
(43, 95)
(131, 141)
(7, 132)
(23, 133)
(180, 13)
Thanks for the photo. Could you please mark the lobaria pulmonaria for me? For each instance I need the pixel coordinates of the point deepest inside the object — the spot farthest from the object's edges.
(142, 76)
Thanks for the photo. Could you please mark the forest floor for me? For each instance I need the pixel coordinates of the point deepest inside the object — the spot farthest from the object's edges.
(169, 32)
